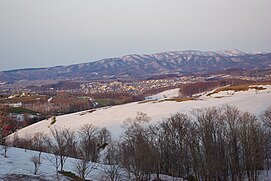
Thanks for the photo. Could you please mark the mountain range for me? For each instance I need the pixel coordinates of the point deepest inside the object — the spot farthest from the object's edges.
(144, 66)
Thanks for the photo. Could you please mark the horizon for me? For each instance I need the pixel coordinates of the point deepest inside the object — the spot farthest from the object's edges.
(26, 68)
(38, 33)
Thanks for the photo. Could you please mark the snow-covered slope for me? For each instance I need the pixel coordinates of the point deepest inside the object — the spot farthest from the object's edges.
(168, 94)
(233, 52)
(112, 117)
(18, 162)
(17, 166)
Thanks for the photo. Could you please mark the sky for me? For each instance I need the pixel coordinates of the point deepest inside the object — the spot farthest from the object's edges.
(42, 33)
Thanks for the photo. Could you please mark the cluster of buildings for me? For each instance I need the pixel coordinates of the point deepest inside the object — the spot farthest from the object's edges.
(254, 78)
(17, 120)
(135, 87)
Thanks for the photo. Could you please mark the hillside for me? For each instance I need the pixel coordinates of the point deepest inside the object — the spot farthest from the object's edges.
(144, 66)
(253, 101)
(18, 166)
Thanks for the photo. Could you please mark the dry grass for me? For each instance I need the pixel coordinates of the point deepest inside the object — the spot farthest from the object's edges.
(86, 112)
(147, 101)
(237, 88)
(181, 99)
(25, 99)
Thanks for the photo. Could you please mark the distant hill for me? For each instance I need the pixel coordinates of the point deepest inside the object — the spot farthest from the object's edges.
(144, 66)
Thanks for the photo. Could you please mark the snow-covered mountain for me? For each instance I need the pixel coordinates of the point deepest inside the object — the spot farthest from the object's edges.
(142, 66)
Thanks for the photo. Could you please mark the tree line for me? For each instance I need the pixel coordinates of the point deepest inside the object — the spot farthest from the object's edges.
(213, 144)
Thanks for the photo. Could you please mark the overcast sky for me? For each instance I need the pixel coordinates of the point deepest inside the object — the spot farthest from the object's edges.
(40, 33)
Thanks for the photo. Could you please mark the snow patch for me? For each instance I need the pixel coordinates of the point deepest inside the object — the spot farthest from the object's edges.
(168, 94)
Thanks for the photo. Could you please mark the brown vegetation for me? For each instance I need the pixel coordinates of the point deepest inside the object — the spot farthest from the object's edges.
(182, 99)
(187, 90)
(237, 88)
(60, 104)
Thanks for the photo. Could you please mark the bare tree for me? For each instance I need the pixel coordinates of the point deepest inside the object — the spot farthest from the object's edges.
(88, 150)
(36, 161)
(5, 145)
(232, 118)
(88, 142)
(3, 121)
(112, 173)
(54, 159)
(252, 142)
(205, 126)
(136, 150)
(25, 142)
(71, 142)
(104, 137)
(39, 140)
(59, 144)
(113, 170)
(83, 168)
(173, 139)
(266, 119)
